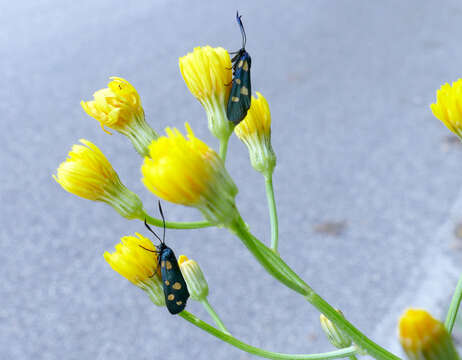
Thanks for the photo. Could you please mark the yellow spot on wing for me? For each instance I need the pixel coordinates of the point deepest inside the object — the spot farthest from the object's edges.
(235, 99)
(246, 66)
(179, 302)
(162, 263)
(238, 81)
(171, 297)
(240, 64)
(168, 264)
(244, 91)
(176, 286)
(167, 282)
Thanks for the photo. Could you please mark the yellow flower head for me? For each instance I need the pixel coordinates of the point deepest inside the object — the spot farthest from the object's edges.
(208, 75)
(425, 338)
(186, 171)
(88, 173)
(255, 132)
(119, 107)
(194, 277)
(114, 106)
(448, 106)
(206, 71)
(133, 259)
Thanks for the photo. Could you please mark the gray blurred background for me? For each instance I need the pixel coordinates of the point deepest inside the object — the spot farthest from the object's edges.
(367, 181)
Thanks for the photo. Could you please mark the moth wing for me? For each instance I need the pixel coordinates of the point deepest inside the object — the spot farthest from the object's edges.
(175, 289)
(246, 95)
(240, 96)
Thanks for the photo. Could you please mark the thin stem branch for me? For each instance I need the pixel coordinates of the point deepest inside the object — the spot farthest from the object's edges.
(454, 307)
(173, 224)
(272, 211)
(214, 316)
(260, 352)
(274, 265)
(223, 148)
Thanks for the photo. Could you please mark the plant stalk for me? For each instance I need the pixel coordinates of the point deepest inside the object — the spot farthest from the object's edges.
(214, 316)
(272, 211)
(173, 224)
(283, 273)
(260, 352)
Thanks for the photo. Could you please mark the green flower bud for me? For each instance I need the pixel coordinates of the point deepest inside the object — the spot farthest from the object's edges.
(335, 336)
(194, 277)
(255, 132)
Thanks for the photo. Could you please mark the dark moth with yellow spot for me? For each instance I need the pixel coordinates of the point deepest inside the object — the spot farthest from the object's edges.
(175, 289)
(240, 96)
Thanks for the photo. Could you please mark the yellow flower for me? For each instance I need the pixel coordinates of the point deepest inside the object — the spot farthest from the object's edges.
(88, 173)
(255, 132)
(425, 338)
(133, 259)
(188, 172)
(208, 75)
(119, 107)
(194, 277)
(448, 106)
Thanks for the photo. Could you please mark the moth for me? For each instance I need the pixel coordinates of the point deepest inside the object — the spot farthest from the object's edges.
(175, 289)
(240, 96)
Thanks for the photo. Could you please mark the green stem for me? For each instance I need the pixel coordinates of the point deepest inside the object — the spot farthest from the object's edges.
(353, 357)
(173, 224)
(272, 211)
(282, 272)
(214, 316)
(260, 352)
(223, 148)
(269, 259)
(454, 307)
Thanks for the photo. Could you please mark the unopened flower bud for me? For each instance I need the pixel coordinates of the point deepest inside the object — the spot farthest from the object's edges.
(425, 338)
(334, 334)
(194, 277)
(208, 75)
(255, 132)
(89, 174)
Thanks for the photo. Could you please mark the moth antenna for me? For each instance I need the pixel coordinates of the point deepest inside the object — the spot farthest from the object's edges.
(149, 228)
(241, 26)
(163, 219)
(141, 246)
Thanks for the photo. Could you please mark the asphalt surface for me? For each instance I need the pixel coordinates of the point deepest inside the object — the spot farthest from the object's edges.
(367, 180)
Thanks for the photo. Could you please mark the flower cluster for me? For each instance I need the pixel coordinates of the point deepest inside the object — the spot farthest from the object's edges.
(178, 168)
(184, 170)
